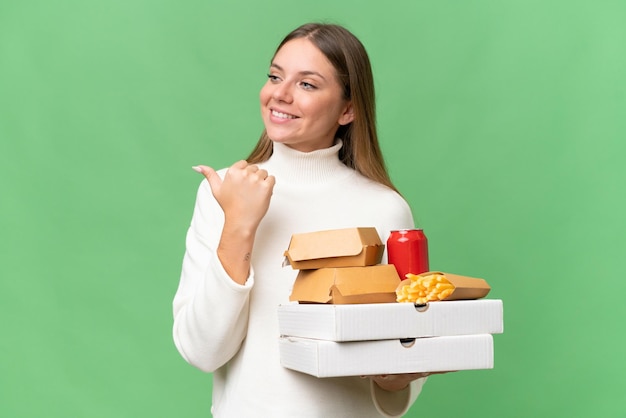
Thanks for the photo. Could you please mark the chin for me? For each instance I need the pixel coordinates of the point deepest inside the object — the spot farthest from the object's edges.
(278, 137)
(281, 140)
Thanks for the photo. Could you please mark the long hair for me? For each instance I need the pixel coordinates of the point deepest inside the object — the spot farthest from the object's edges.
(361, 150)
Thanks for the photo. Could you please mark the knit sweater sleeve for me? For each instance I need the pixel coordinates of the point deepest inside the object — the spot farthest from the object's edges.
(210, 309)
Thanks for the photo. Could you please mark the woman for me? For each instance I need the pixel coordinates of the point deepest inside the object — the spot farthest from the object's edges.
(317, 166)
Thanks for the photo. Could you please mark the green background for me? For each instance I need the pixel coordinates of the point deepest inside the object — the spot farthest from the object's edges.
(503, 124)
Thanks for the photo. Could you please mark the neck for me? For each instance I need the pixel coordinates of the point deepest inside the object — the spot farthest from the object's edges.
(306, 167)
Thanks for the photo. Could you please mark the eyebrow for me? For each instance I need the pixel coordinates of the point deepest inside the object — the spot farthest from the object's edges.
(278, 67)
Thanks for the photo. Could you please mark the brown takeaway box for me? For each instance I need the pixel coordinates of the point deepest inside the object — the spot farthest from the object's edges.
(349, 247)
(464, 287)
(346, 285)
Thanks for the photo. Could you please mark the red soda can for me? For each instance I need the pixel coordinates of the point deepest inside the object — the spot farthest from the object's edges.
(407, 250)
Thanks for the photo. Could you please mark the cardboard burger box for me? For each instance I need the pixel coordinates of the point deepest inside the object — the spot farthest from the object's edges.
(346, 285)
(348, 247)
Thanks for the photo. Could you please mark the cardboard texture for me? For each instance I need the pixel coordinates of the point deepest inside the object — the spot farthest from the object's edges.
(349, 247)
(464, 287)
(323, 358)
(391, 320)
(346, 285)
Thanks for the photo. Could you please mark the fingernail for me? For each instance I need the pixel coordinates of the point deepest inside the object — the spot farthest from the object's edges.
(196, 169)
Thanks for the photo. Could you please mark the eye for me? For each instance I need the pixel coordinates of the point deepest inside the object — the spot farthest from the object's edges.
(307, 86)
(273, 78)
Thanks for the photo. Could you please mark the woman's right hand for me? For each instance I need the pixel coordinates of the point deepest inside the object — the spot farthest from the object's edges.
(244, 196)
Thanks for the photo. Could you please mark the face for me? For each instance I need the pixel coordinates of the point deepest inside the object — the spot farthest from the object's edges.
(302, 103)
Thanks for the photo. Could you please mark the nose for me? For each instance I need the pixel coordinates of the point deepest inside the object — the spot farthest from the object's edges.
(282, 92)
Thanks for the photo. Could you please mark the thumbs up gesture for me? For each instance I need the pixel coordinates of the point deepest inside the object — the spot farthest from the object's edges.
(244, 194)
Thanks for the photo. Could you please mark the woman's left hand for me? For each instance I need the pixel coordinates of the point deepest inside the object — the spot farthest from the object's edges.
(395, 382)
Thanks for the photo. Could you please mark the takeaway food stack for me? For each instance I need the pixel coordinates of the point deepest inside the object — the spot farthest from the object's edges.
(344, 318)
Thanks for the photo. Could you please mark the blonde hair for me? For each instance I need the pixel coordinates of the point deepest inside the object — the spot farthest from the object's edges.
(361, 150)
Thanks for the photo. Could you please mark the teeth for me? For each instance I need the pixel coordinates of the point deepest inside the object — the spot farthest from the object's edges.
(282, 115)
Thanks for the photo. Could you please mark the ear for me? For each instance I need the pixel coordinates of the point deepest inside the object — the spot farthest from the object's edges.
(348, 115)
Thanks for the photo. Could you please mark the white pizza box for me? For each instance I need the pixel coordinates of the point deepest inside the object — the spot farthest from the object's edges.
(380, 321)
(322, 358)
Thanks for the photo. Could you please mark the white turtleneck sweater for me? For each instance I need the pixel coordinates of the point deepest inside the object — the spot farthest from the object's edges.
(232, 330)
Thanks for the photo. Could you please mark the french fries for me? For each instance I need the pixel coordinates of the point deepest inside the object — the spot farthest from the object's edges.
(424, 288)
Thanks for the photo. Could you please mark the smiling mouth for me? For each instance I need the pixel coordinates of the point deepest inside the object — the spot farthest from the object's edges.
(281, 115)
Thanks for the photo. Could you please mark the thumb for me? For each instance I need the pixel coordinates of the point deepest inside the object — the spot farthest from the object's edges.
(215, 182)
